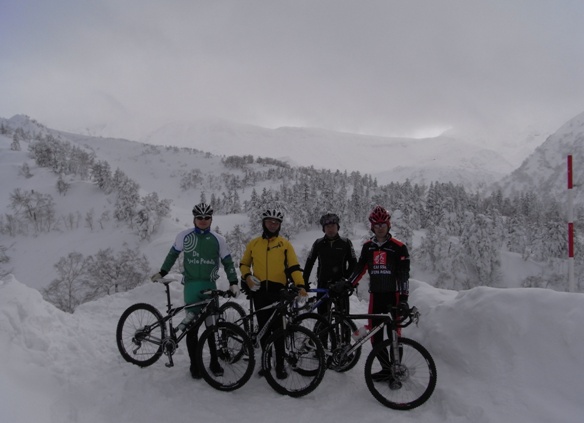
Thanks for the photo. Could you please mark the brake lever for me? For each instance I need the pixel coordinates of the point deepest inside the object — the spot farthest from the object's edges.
(415, 315)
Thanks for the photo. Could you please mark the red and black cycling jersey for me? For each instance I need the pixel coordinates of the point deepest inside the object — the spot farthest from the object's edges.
(388, 264)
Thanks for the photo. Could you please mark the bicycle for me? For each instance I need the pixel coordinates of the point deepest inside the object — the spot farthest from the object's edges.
(143, 335)
(333, 329)
(303, 356)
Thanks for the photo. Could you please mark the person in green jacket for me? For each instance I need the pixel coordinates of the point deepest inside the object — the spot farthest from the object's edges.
(203, 251)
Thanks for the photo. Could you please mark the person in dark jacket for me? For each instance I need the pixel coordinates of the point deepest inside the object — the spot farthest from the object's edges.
(387, 261)
(336, 258)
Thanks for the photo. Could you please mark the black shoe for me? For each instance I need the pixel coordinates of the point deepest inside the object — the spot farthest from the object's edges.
(261, 373)
(281, 373)
(381, 376)
(216, 369)
(195, 372)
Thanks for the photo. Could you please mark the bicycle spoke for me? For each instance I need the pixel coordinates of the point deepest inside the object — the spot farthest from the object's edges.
(403, 384)
(226, 357)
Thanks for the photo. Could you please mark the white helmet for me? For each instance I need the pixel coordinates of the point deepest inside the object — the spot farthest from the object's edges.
(203, 210)
(273, 214)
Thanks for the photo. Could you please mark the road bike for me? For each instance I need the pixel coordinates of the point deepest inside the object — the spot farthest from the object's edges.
(291, 348)
(143, 335)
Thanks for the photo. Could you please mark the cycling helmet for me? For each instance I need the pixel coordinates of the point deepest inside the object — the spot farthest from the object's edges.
(328, 219)
(379, 215)
(273, 214)
(203, 209)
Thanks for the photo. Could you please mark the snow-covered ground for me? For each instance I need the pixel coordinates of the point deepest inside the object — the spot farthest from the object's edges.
(502, 355)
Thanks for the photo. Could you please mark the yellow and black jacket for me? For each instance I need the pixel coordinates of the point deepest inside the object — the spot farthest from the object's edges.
(273, 261)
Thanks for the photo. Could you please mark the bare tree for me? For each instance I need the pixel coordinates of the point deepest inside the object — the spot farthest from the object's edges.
(70, 289)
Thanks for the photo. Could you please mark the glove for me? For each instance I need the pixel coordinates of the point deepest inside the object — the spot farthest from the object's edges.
(403, 306)
(156, 277)
(342, 286)
(234, 290)
(255, 283)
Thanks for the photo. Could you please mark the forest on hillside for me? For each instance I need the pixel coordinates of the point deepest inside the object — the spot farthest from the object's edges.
(464, 231)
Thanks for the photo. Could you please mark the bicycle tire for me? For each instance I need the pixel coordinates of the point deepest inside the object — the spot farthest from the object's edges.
(303, 361)
(335, 337)
(341, 329)
(230, 343)
(233, 312)
(417, 375)
(140, 333)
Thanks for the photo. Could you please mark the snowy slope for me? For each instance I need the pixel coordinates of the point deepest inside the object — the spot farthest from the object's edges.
(502, 355)
(545, 170)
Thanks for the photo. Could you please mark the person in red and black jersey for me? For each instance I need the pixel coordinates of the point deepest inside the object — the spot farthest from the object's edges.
(387, 261)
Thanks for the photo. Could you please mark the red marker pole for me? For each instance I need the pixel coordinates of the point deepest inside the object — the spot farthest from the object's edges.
(571, 283)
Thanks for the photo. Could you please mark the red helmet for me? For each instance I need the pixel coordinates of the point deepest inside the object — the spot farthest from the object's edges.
(379, 215)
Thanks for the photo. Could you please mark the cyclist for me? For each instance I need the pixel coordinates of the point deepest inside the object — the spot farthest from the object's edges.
(268, 263)
(203, 250)
(336, 258)
(388, 262)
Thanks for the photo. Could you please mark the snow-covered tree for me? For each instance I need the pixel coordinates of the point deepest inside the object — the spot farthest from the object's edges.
(69, 289)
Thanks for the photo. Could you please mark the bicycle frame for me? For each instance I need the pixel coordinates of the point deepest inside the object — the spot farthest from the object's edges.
(208, 315)
(279, 308)
(387, 320)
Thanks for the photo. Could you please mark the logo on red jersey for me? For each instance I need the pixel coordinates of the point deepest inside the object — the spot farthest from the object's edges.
(380, 258)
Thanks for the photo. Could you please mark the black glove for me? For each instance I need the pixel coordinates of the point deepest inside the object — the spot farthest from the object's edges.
(337, 287)
(403, 306)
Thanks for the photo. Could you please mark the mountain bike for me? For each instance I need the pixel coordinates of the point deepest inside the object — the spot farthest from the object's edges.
(303, 354)
(334, 328)
(143, 335)
(399, 372)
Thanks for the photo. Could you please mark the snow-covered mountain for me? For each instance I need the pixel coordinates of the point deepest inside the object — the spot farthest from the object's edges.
(545, 170)
(441, 158)
(160, 170)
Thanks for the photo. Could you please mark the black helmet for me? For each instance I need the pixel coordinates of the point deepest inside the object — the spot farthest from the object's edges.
(203, 210)
(273, 214)
(329, 218)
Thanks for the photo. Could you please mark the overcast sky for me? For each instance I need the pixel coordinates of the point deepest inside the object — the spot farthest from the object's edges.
(401, 67)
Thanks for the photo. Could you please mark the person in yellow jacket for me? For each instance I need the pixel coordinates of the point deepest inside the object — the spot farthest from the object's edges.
(268, 263)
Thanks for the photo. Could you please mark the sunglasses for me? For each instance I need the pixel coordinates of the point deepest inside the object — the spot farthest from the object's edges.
(203, 217)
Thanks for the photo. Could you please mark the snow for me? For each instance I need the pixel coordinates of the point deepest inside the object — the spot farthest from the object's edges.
(501, 355)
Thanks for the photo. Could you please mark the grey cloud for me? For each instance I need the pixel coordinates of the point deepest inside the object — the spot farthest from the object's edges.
(387, 67)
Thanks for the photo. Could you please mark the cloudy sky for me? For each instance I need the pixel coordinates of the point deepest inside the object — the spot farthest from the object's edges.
(387, 67)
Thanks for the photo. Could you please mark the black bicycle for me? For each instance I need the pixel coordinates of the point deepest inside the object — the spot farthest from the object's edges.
(143, 335)
(296, 349)
(399, 372)
(333, 328)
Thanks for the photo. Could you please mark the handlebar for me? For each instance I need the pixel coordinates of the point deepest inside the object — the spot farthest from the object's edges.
(211, 292)
(218, 293)
(412, 316)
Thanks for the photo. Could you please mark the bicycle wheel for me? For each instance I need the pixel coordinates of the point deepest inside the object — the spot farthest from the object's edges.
(234, 313)
(140, 333)
(336, 338)
(341, 330)
(293, 361)
(404, 383)
(219, 356)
